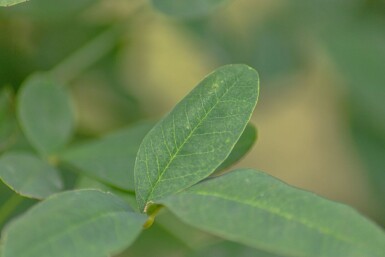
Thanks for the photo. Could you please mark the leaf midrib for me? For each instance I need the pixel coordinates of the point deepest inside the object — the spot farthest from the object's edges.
(188, 137)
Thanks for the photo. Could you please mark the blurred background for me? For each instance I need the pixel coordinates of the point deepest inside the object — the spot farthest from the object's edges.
(321, 110)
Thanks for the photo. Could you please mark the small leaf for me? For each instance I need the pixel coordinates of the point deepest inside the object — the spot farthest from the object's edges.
(112, 158)
(197, 135)
(86, 223)
(187, 8)
(244, 144)
(29, 176)
(11, 2)
(260, 211)
(45, 113)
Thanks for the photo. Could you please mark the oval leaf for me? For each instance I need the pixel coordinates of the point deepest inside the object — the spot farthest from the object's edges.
(258, 210)
(112, 158)
(29, 176)
(187, 8)
(11, 2)
(197, 135)
(86, 223)
(244, 144)
(45, 113)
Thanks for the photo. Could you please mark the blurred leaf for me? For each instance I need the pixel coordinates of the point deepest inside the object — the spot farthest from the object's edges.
(8, 125)
(361, 62)
(51, 10)
(11, 2)
(112, 158)
(260, 211)
(272, 45)
(86, 223)
(190, 236)
(371, 147)
(89, 183)
(197, 135)
(244, 144)
(230, 249)
(156, 242)
(29, 176)
(187, 8)
(45, 113)
(8, 207)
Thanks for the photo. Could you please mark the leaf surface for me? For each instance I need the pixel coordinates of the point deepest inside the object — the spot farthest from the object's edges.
(260, 211)
(244, 144)
(11, 2)
(89, 183)
(187, 8)
(229, 249)
(45, 113)
(110, 159)
(28, 175)
(86, 223)
(197, 135)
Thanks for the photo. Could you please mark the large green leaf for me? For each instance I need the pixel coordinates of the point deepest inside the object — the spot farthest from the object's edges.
(11, 2)
(112, 158)
(86, 223)
(260, 211)
(45, 113)
(28, 175)
(197, 135)
(187, 8)
(244, 144)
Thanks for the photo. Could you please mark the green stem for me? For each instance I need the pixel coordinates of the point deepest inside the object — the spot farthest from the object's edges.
(86, 56)
(152, 211)
(9, 206)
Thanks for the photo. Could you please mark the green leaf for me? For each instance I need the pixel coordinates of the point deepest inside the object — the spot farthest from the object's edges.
(187, 8)
(244, 144)
(89, 183)
(86, 223)
(190, 236)
(230, 249)
(260, 211)
(28, 175)
(46, 11)
(11, 2)
(45, 113)
(156, 242)
(112, 158)
(197, 135)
